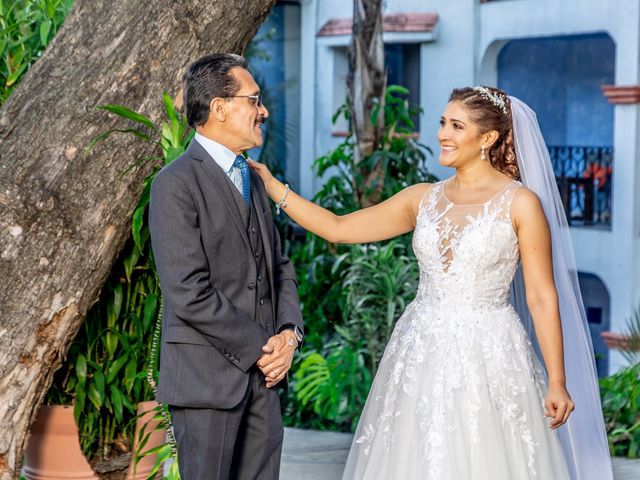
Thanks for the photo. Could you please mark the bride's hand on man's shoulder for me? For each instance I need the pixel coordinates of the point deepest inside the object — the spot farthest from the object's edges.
(262, 170)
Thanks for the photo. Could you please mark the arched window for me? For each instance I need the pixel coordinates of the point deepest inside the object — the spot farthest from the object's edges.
(561, 78)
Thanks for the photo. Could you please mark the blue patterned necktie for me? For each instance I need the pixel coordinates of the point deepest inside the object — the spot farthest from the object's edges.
(241, 164)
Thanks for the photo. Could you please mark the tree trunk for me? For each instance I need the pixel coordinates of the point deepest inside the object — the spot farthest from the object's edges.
(64, 216)
(367, 82)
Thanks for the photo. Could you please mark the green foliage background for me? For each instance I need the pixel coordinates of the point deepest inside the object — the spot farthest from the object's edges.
(26, 28)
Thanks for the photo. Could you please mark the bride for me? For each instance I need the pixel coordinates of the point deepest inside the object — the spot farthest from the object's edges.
(460, 392)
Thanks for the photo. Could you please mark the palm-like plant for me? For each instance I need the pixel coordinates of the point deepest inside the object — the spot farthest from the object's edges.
(631, 345)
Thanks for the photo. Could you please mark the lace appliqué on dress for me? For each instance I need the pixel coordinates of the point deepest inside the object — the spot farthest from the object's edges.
(459, 349)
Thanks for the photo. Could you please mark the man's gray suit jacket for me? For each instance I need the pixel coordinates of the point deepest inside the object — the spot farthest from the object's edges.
(208, 274)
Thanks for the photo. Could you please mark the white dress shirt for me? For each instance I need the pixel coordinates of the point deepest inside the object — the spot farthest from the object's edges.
(223, 157)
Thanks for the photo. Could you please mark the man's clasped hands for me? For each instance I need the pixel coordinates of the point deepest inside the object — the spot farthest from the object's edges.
(278, 355)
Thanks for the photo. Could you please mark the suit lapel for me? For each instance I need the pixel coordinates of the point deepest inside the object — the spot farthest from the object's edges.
(256, 191)
(217, 177)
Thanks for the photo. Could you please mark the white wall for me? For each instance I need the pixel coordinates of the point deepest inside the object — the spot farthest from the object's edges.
(308, 89)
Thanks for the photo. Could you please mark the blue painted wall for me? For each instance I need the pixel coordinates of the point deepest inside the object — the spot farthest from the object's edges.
(560, 78)
(267, 67)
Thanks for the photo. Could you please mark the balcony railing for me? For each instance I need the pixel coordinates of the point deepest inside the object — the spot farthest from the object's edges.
(583, 175)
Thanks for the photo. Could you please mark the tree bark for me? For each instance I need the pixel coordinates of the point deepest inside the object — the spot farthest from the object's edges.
(64, 216)
(367, 82)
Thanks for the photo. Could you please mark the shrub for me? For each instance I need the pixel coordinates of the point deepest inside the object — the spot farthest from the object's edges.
(621, 407)
(26, 28)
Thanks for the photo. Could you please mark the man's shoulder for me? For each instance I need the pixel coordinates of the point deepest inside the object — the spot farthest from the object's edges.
(183, 168)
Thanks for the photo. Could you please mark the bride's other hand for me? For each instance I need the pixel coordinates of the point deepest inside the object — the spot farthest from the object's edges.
(262, 171)
(558, 405)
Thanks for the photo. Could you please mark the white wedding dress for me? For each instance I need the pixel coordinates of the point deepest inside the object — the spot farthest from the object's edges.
(459, 392)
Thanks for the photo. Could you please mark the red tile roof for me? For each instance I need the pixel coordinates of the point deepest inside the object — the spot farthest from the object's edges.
(392, 22)
(622, 94)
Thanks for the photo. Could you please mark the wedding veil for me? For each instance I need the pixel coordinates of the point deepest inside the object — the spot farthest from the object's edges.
(583, 438)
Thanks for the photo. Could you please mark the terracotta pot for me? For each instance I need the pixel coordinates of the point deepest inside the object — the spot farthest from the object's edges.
(157, 437)
(53, 449)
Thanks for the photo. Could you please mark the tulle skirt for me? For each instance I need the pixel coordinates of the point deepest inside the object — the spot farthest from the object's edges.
(458, 396)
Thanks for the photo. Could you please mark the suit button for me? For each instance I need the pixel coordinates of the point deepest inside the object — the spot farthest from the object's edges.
(253, 230)
(257, 255)
(261, 301)
(259, 278)
(251, 286)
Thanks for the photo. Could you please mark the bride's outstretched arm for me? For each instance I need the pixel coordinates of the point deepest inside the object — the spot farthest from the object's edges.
(542, 298)
(391, 218)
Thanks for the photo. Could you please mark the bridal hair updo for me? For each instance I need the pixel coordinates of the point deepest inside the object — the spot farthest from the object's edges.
(490, 109)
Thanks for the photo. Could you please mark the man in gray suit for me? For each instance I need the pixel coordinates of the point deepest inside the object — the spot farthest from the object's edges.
(232, 319)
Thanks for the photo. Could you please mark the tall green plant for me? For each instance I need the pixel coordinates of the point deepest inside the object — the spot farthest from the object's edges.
(26, 28)
(402, 161)
(379, 283)
(351, 296)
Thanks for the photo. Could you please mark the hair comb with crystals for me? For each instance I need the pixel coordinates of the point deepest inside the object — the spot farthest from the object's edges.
(494, 98)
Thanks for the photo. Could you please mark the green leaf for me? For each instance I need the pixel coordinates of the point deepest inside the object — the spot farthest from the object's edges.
(94, 395)
(397, 89)
(115, 367)
(114, 306)
(137, 223)
(103, 136)
(80, 396)
(172, 153)
(129, 114)
(130, 374)
(130, 261)
(149, 311)
(13, 77)
(98, 381)
(116, 401)
(45, 28)
(81, 369)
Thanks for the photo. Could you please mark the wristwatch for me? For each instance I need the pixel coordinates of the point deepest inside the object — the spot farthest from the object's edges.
(298, 333)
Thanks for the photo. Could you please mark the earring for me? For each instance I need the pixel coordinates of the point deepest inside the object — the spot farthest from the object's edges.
(482, 155)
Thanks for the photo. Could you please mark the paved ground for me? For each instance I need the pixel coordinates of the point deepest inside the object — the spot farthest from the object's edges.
(311, 455)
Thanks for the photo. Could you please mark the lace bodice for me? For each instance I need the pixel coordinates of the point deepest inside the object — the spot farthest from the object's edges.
(467, 254)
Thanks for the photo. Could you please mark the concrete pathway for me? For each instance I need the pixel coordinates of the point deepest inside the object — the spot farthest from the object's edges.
(313, 455)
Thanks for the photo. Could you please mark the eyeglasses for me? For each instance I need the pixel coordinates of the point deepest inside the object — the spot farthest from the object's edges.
(257, 99)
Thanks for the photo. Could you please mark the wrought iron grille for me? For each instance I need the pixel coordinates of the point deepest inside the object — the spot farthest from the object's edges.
(583, 175)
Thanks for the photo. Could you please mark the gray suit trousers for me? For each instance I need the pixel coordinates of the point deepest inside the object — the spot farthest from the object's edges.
(241, 443)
